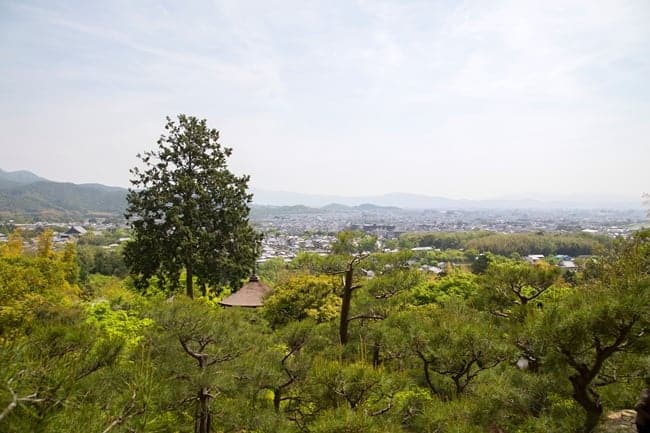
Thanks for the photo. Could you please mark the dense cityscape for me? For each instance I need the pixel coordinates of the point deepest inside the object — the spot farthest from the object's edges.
(290, 230)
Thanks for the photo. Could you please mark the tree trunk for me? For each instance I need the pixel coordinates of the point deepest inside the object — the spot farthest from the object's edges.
(376, 354)
(345, 305)
(203, 418)
(592, 406)
(277, 398)
(189, 277)
(593, 418)
(427, 376)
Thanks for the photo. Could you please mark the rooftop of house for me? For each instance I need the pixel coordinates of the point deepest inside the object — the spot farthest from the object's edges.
(251, 294)
(76, 230)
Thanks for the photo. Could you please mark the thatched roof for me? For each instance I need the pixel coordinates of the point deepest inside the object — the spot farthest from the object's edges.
(250, 295)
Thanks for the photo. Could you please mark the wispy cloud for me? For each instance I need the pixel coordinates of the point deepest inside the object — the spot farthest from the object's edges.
(315, 90)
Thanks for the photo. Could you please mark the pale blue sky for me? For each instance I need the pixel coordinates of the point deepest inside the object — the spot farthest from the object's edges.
(458, 99)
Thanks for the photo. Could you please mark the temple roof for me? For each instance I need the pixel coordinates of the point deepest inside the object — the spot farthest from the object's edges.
(250, 295)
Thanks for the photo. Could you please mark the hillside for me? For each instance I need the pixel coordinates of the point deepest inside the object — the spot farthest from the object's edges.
(20, 177)
(26, 194)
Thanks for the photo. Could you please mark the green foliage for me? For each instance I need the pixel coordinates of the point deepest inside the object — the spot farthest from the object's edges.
(452, 343)
(98, 260)
(353, 242)
(510, 283)
(45, 242)
(460, 285)
(586, 333)
(70, 263)
(188, 211)
(533, 243)
(195, 346)
(14, 245)
(481, 263)
(424, 353)
(29, 284)
(394, 282)
(105, 238)
(52, 372)
(368, 244)
(507, 244)
(289, 361)
(273, 270)
(303, 296)
(386, 262)
(119, 324)
(352, 385)
(441, 240)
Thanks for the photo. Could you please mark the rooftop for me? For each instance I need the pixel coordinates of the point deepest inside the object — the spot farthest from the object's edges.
(250, 295)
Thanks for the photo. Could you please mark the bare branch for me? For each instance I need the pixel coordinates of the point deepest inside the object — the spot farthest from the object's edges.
(500, 314)
(32, 398)
(187, 350)
(127, 413)
(383, 411)
(367, 316)
(224, 358)
(11, 406)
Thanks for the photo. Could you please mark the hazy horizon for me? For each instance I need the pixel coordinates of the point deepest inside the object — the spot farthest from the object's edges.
(408, 200)
(458, 100)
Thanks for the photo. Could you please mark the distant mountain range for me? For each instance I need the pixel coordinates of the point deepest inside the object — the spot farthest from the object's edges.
(416, 201)
(27, 194)
(22, 193)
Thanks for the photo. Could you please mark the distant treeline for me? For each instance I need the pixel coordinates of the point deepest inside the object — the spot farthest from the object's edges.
(512, 243)
(98, 260)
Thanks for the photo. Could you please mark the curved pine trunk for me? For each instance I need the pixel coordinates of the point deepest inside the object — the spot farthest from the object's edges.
(591, 405)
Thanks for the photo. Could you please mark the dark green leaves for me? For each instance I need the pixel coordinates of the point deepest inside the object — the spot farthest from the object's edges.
(189, 212)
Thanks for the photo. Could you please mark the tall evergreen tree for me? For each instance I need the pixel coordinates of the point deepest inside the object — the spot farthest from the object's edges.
(188, 211)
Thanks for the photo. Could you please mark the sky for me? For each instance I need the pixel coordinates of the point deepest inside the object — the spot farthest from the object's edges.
(456, 99)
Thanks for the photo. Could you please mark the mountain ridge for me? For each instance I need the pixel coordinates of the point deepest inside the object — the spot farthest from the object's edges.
(24, 193)
(421, 201)
(18, 177)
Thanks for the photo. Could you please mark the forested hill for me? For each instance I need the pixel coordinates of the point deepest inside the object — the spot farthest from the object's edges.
(26, 194)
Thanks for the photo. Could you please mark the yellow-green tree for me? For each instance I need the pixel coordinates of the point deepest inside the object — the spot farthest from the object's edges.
(303, 296)
(14, 245)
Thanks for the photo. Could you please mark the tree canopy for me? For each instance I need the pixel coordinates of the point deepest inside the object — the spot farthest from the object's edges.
(515, 348)
(189, 212)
